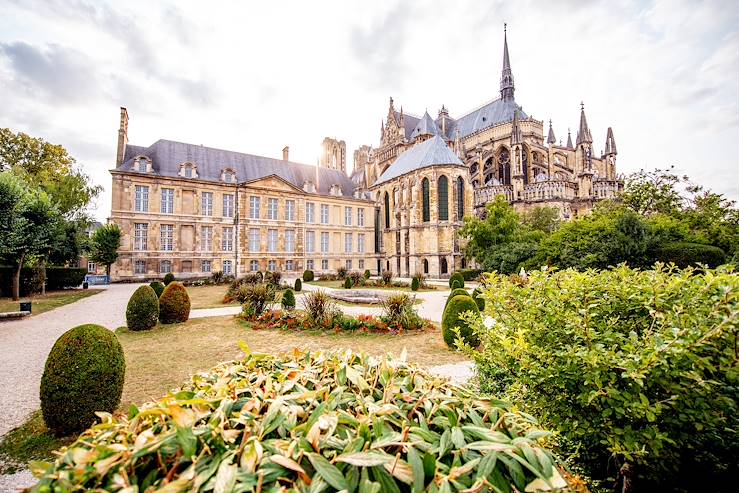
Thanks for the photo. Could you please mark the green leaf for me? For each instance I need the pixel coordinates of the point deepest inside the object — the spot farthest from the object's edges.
(414, 459)
(328, 471)
(387, 483)
(187, 441)
(365, 459)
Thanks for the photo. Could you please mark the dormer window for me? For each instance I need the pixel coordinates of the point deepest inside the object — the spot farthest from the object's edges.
(228, 175)
(309, 187)
(188, 170)
(335, 190)
(142, 164)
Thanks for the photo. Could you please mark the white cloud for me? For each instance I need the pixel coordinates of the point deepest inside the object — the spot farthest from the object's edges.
(256, 77)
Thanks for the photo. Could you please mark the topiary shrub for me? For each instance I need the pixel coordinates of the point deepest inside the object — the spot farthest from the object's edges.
(298, 285)
(288, 299)
(480, 302)
(308, 276)
(455, 292)
(456, 284)
(83, 374)
(415, 284)
(451, 320)
(169, 278)
(174, 304)
(684, 254)
(347, 283)
(470, 274)
(456, 277)
(158, 287)
(367, 274)
(64, 277)
(142, 311)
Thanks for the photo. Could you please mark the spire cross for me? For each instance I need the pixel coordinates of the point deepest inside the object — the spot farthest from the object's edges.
(582, 106)
(505, 27)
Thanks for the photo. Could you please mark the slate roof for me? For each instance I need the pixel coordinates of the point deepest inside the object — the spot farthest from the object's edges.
(410, 123)
(426, 126)
(492, 113)
(432, 152)
(168, 155)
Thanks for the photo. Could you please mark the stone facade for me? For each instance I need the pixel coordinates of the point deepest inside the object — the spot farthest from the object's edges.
(333, 154)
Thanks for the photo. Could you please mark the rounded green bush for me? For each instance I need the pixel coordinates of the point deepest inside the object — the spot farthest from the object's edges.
(83, 374)
(451, 320)
(455, 292)
(298, 285)
(288, 299)
(480, 302)
(174, 304)
(415, 284)
(457, 276)
(308, 276)
(168, 278)
(367, 274)
(142, 311)
(456, 284)
(684, 254)
(348, 283)
(158, 287)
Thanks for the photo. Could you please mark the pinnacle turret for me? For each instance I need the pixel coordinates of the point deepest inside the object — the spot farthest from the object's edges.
(583, 134)
(506, 79)
(610, 143)
(569, 140)
(516, 136)
(550, 138)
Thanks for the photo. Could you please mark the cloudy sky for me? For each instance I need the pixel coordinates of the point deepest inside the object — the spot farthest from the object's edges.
(255, 77)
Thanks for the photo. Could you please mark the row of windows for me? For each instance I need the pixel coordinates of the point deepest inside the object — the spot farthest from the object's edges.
(206, 266)
(442, 191)
(141, 201)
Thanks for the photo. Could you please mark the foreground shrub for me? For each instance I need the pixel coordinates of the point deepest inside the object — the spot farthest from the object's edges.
(454, 326)
(288, 299)
(347, 283)
(308, 276)
(399, 313)
(223, 431)
(318, 306)
(456, 277)
(341, 273)
(415, 284)
(387, 277)
(636, 369)
(356, 277)
(685, 254)
(367, 274)
(142, 312)
(174, 304)
(64, 277)
(83, 374)
(298, 285)
(158, 287)
(168, 278)
(255, 298)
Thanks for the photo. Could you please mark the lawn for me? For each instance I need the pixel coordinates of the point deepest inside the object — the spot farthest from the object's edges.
(207, 296)
(340, 285)
(48, 301)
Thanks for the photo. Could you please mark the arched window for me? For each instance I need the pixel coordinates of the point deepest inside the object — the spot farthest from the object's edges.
(504, 167)
(444, 267)
(387, 210)
(425, 266)
(426, 200)
(460, 198)
(443, 196)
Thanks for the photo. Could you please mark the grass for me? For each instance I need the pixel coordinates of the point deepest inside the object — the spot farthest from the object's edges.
(340, 285)
(30, 441)
(48, 301)
(207, 296)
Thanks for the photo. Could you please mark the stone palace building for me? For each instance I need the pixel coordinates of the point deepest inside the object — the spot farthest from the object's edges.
(193, 210)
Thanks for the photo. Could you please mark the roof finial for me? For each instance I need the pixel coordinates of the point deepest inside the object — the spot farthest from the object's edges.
(550, 138)
(506, 79)
(569, 139)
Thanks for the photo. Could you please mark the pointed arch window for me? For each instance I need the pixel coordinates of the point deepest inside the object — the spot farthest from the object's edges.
(460, 198)
(387, 210)
(426, 199)
(443, 196)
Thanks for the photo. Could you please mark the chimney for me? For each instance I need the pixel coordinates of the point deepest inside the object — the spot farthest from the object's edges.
(122, 137)
(285, 153)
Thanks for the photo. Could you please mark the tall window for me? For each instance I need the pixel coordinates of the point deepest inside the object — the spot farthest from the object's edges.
(324, 242)
(205, 266)
(310, 241)
(228, 267)
(360, 217)
(228, 205)
(165, 266)
(426, 199)
(253, 265)
(272, 266)
(289, 265)
(443, 196)
(90, 266)
(348, 243)
(271, 240)
(309, 264)
(207, 203)
(139, 267)
(460, 198)
(444, 267)
(272, 209)
(289, 210)
(310, 212)
(361, 265)
(348, 265)
(254, 204)
(324, 264)
(227, 241)
(167, 200)
(207, 238)
(254, 240)
(387, 210)
(347, 216)
(324, 214)
(142, 198)
(290, 240)
(360, 242)
(141, 236)
(166, 232)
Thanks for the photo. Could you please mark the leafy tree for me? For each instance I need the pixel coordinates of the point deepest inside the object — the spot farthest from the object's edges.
(654, 192)
(71, 241)
(544, 219)
(104, 245)
(27, 224)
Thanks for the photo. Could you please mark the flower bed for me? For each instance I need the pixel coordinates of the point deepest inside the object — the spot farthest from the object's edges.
(338, 322)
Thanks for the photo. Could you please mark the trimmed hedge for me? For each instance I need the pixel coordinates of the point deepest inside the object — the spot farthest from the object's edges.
(169, 278)
(142, 311)
(478, 299)
(298, 285)
(367, 274)
(348, 283)
(174, 304)
(470, 274)
(415, 284)
(456, 277)
(308, 276)
(684, 254)
(30, 281)
(288, 299)
(451, 320)
(64, 277)
(456, 284)
(455, 292)
(158, 287)
(83, 374)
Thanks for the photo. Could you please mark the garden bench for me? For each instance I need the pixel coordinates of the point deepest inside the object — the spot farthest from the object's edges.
(11, 315)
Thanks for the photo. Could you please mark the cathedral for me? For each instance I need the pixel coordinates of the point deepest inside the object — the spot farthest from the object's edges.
(193, 210)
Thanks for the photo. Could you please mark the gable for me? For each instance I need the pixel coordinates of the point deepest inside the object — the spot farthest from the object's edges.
(273, 182)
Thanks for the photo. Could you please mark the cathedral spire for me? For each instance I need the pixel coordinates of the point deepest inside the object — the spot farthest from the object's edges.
(569, 140)
(506, 78)
(583, 134)
(610, 143)
(550, 138)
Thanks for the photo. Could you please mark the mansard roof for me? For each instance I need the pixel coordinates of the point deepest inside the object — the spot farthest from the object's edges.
(433, 152)
(168, 155)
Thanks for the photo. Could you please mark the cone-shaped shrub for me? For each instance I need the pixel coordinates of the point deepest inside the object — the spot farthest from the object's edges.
(83, 374)
(308, 275)
(174, 304)
(457, 276)
(142, 311)
(298, 285)
(288, 299)
(451, 320)
(456, 284)
(348, 283)
(455, 292)
(168, 278)
(415, 284)
(158, 287)
(367, 274)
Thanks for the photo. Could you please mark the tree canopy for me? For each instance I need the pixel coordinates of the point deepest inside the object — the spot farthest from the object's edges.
(104, 245)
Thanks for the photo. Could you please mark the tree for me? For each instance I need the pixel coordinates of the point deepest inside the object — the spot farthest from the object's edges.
(654, 192)
(544, 219)
(28, 222)
(104, 245)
